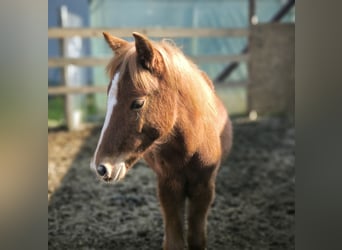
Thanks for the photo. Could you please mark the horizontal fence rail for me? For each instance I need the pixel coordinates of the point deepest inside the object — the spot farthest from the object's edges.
(62, 62)
(151, 32)
(92, 61)
(62, 90)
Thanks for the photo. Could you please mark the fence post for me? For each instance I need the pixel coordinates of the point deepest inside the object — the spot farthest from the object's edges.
(64, 70)
(72, 103)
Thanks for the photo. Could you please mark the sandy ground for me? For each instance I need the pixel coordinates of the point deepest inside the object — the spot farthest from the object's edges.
(254, 206)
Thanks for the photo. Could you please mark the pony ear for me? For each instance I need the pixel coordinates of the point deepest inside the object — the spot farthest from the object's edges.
(114, 43)
(145, 50)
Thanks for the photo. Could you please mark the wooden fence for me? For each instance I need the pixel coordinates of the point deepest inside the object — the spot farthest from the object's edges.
(232, 61)
(62, 33)
(67, 89)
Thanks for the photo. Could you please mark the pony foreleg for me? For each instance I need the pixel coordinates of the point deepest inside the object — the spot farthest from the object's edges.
(172, 201)
(198, 207)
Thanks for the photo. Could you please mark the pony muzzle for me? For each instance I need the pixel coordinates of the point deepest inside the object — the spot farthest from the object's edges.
(111, 172)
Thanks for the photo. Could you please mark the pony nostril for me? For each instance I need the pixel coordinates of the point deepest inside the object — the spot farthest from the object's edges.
(101, 170)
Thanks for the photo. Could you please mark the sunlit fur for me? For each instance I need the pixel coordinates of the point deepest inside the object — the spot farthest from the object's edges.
(183, 132)
(180, 74)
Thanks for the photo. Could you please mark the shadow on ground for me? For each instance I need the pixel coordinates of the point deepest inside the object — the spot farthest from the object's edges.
(254, 205)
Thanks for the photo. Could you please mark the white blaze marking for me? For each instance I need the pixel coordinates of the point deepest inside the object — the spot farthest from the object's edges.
(111, 102)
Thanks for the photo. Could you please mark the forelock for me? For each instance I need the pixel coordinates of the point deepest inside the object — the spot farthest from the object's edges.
(127, 64)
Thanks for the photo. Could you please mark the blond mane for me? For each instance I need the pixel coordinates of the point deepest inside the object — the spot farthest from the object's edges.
(180, 73)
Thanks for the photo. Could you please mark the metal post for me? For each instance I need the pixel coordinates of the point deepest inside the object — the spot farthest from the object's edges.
(252, 17)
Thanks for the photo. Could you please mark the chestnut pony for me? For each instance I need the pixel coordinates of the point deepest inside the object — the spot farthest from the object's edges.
(162, 108)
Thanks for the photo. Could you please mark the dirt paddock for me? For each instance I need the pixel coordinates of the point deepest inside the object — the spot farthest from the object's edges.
(253, 209)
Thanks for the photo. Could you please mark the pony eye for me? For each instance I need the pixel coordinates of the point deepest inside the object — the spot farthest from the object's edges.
(137, 104)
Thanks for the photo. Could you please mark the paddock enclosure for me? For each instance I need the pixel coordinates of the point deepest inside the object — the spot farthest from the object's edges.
(254, 206)
(253, 209)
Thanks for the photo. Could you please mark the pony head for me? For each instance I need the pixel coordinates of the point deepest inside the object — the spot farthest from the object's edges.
(140, 107)
(154, 92)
